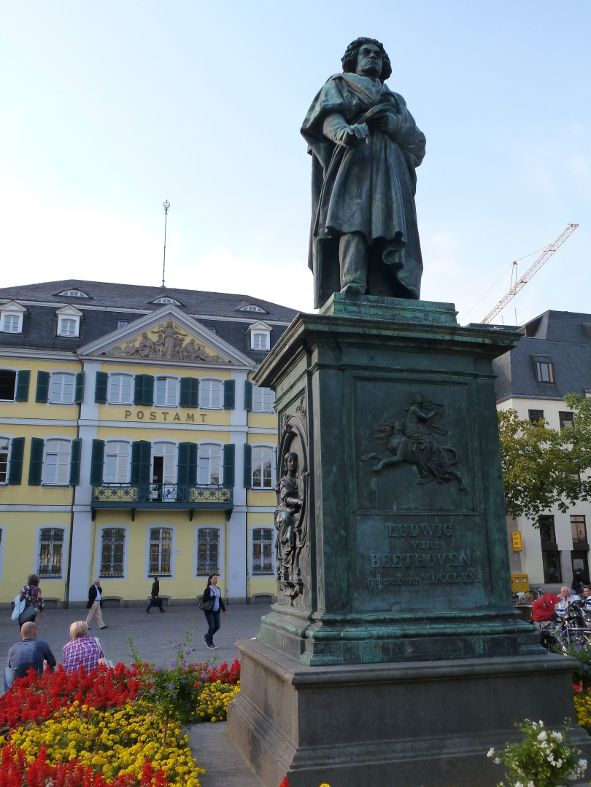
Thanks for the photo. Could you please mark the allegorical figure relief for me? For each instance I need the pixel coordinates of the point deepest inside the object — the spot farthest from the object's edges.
(365, 149)
(290, 536)
(420, 440)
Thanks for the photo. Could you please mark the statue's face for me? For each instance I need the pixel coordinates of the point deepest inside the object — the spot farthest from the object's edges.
(292, 464)
(369, 60)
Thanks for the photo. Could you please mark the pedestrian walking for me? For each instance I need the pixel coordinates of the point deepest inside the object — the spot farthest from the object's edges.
(155, 600)
(33, 601)
(95, 602)
(212, 602)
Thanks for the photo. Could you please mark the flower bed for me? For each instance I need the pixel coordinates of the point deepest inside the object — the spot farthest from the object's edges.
(112, 727)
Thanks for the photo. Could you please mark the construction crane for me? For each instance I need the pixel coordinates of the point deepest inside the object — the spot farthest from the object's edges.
(547, 252)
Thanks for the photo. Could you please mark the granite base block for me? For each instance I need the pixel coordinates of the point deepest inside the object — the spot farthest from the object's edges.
(416, 724)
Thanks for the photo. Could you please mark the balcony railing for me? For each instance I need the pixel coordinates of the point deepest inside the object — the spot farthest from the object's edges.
(161, 496)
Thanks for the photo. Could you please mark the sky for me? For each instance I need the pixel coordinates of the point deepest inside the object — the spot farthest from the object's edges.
(110, 108)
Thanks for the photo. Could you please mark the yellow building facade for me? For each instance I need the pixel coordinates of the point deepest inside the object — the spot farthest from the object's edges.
(133, 442)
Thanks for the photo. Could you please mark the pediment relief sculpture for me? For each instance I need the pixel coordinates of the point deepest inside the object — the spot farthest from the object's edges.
(166, 342)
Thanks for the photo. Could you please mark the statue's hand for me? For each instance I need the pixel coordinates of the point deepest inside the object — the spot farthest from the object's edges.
(389, 123)
(353, 135)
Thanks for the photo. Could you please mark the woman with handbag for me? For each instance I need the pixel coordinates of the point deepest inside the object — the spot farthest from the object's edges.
(31, 595)
(211, 603)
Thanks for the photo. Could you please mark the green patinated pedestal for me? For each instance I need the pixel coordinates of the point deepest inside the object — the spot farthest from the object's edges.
(401, 568)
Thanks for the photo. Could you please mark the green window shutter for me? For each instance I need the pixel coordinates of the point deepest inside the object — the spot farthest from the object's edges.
(229, 454)
(15, 471)
(22, 386)
(141, 457)
(42, 393)
(101, 387)
(36, 461)
(187, 467)
(75, 462)
(189, 392)
(144, 390)
(229, 394)
(247, 395)
(79, 388)
(97, 460)
(247, 466)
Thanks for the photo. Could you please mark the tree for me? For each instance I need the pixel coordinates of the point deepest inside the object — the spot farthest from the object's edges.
(542, 468)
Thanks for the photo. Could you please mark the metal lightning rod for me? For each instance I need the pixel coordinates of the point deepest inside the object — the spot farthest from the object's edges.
(166, 206)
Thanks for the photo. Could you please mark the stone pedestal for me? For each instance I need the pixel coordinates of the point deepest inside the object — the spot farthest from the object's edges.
(393, 642)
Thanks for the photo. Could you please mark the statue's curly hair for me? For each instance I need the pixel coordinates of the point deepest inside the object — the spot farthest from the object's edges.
(349, 59)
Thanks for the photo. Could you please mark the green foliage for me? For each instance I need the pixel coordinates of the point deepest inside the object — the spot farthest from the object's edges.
(541, 468)
(542, 758)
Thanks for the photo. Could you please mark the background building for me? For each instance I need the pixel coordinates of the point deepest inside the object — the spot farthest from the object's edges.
(133, 442)
(552, 359)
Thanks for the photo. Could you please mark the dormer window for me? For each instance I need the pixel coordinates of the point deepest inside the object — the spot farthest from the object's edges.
(11, 317)
(251, 307)
(168, 299)
(73, 294)
(68, 321)
(260, 336)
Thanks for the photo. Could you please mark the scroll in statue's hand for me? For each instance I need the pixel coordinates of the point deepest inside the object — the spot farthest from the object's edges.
(388, 123)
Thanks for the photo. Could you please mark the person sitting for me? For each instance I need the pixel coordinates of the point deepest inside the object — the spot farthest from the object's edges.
(29, 653)
(587, 597)
(563, 603)
(82, 650)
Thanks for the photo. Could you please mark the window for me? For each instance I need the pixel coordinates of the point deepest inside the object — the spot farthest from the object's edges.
(566, 419)
(62, 388)
(167, 299)
(73, 294)
(211, 394)
(56, 461)
(117, 463)
(208, 551)
(260, 340)
(12, 323)
(122, 324)
(160, 551)
(263, 400)
(120, 388)
(67, 326)
(551, 564)
(209, 464)
(547, 532)
(167, 392)
(535, 415)
(51, 547)
(544, 371)
(112, 552)
(7, 384)
(262, 550)
(578, 528)
(251, 307)
(4, 452)
(262, 463)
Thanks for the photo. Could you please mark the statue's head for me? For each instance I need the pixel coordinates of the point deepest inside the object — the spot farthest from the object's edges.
(291, 462)
(350, 59)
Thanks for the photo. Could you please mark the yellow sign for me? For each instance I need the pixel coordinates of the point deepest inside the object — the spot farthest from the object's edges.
(516, 540)
(520, 583)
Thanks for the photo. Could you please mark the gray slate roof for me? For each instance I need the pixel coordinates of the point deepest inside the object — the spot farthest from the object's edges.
(564, 338)
(113, 301)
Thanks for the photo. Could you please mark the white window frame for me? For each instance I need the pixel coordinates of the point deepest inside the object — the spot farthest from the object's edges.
(262, 573)
(211, 394)
(208, 454)
(73, 294)
(56, 472)
(59, 384)
(107, 574)
(166, 391)
(263, 400)
(68, 325)
(167, 299)
(12, 322)
(260, 465)
(117, 462)
(118, 383)
(150, 571)
(6, 463)
(15, 373)
(220, 546)
(52, 543)
(260, 340)
(252, 307)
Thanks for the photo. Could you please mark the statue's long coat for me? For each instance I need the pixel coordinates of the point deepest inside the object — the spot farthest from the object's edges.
(368, 188)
